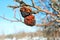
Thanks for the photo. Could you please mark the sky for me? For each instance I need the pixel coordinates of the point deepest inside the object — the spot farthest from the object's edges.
(7, 27)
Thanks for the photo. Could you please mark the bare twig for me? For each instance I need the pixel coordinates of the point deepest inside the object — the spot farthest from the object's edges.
(45, 24)
(14, 7)
(33, 2)
(40, 10)
(58, 20)
(15, 15)
(55, 9)
(46, 11)
(9, 19)
(43, 4)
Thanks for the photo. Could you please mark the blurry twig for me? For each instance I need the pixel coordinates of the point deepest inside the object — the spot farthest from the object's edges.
(14, 7)
(33, 2)
(58, 20)
(9, 19)
(15, 15)
(45, 24)
(43, 4)
(56, 9)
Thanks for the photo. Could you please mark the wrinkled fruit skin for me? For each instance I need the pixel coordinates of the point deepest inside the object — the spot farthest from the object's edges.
(25, 11)
(29, 20)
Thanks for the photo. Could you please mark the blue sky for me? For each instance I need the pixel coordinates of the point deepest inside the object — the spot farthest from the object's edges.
(7, 27)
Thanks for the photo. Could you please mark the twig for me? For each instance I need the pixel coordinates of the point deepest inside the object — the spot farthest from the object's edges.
(44, 20)
(45, 24)
(55, 9)
(40, 10)
(14, 7)
(46, 11)
(33, 2)
(9, 19)
(43, 4)
(15, 15)
(58, 20)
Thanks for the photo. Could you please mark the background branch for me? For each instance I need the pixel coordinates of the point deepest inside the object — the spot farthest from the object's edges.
(33, 4)
(8, 19)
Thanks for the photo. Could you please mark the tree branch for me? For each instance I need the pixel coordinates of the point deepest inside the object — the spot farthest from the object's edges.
(15, 15)
(43, 4)
(9, 19)
(45, 24)
(14, 7)
(55, 9)
(33, 4)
